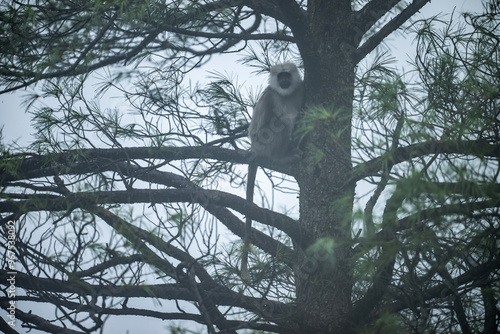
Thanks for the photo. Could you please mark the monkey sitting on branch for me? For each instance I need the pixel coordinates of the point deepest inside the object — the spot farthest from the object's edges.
(271, 129)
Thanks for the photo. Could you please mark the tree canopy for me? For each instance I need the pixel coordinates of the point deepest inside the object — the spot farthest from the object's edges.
(129, 201)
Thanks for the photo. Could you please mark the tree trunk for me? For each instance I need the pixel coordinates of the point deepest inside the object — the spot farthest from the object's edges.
(323, 273)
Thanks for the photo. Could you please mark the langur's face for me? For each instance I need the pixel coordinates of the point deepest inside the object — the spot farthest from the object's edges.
(284, 79)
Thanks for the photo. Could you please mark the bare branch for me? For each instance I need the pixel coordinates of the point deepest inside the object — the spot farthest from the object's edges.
(223, 296)
(389, 28)
(39, 322)
(479, 148)
(442, 290)
(200, 196)
(6, 328)
(386, 260)
(421, 217)
(374, 10)
(96, 160)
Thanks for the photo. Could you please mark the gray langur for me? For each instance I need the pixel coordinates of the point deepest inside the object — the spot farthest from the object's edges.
(271, 128)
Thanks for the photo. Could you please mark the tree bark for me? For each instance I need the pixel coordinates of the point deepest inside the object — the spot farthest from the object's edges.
(323, 272)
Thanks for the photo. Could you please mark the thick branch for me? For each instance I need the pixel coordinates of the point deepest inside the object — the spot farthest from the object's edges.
(4, 326)
(457, 302)
(478, 148)
(386, 261)
(40, 323)
(296, 19)
(290, 14)
(200, 196)
(373, 11)
(94, 161)
(225, 216)
(207, 286)
(490, 308)
(161, 291)
(99, 160)
(389, 28)
(131, 311)
(138, 238)
(418, 219)
(245, 36)
(442, 290)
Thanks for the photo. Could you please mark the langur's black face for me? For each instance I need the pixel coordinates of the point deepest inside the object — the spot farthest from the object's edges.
(284, 79)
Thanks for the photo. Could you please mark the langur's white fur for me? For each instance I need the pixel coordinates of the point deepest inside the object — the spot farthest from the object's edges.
(271, 129)
(285, 67)
(274, 115)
